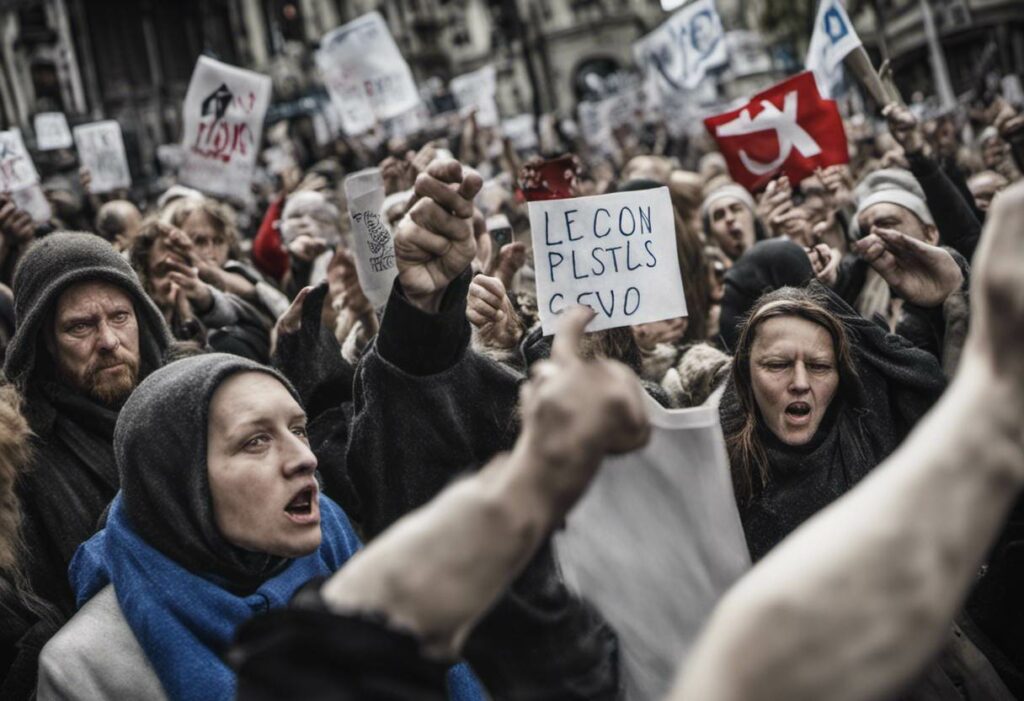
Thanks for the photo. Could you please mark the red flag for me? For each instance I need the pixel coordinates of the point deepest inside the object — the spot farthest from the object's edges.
(789, 128)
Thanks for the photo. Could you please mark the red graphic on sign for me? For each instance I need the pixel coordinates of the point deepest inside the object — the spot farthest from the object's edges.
(787, 129)
(219, 136)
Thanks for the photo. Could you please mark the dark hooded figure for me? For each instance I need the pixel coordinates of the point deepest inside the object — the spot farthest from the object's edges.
(86, 334)
(219, 517)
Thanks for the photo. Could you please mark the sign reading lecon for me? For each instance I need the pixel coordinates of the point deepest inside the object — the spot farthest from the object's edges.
(614, 253)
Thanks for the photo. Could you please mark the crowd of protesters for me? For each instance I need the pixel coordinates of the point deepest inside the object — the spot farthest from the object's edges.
(224, 472)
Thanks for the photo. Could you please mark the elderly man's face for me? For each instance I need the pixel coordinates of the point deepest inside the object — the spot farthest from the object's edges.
(95, 341)
(886, 215)
(261, 469)
(732, 225)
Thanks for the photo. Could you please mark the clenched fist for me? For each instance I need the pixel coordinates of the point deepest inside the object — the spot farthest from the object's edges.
(434, 241)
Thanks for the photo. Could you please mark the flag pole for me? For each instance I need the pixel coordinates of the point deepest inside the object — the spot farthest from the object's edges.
(940, 72)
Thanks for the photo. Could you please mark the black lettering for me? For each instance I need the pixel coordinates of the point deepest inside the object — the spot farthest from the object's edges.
(575, 273)
(654, 261)
(568, 224)
(547, 240)
(607, 310)
(593, 254)
(609, 230)
(551, 303)
(553, 265)
(625, 302)
(632, 222)
(629, 249)
(645, 220)
(615, 258)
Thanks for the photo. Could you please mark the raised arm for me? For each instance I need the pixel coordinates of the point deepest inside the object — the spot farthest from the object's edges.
(853, 603)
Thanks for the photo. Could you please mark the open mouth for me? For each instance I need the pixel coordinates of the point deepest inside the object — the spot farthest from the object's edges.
(303, 507)
(798, 411)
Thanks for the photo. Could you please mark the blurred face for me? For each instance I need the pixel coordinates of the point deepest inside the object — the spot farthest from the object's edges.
(261, 470)
(886, 215)
(208, 239)
(984, 187)
(95, 341)
(794, 375)
(732, 225)
(310, 216)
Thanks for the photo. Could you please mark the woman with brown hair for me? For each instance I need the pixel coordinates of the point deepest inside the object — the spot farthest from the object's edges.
(818, 396)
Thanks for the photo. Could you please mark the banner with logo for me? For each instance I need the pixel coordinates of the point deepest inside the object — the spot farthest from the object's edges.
(223, 127)
(366, 75)
(833, 38)
(788, 128)
(678, 54)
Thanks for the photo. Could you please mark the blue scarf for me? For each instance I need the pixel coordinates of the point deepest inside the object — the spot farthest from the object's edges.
(185, 623)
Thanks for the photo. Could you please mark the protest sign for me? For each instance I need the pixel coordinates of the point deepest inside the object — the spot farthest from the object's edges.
(52, 131)
(16, 168)
(680, 52)
(655, 542)
(101, 150)
(33, 200)
(372, 242)
(599, 118)
(476, 90)
(614, 253)
(366, 75)
(833, 38)
(521, 130)
(787, 128)
(223, 126)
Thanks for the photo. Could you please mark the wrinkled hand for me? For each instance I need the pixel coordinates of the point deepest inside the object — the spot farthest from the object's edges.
(490, 312)
(188, 282)
(838, 181)
(343, 285)
(904, 127)
(576, 411)
(920, 273)
(509, 261)
(307, 248)
(825, 262)
(997, 292)
(434, 241)
(291, 320)
(15, 224)
(651, 334)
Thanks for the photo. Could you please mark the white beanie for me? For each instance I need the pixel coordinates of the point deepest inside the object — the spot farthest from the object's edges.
(893, 186)
(731, 190)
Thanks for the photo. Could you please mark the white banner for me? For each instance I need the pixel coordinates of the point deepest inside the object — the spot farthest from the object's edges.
(833, 38)
(598, 119)
(681, 51)
(366, 75)
(16, 168)
(52, 131)
(101, 150)
(655, 542)
(223, 126)
(476, 90)
(372, 242)
(614, 253)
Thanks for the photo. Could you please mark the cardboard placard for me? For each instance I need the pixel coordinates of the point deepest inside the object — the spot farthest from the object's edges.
(52, 131)
(16, 168)
(614, 253)
(101, 150)
(223, 127)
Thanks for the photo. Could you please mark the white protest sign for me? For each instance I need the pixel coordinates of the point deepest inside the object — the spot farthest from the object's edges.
(599, 118)
(16, 168)
(366, 75)
(833, 38)
(223, 124)
(52, 131)
(614, 253)
(476, 90)
(681, 51)
(372, 242)
(521, 130)
(33, 200)
(655, 543)
(101, 150)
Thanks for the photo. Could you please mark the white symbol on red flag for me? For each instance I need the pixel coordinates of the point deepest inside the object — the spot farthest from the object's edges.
(787, 129)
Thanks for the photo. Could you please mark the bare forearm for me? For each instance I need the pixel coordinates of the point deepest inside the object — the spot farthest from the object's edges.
(437, 570)
(852, 605)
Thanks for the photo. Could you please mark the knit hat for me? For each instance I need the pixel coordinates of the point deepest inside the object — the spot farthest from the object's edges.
(893, 186)
(731, 190)
(160, 448)
(53, 264)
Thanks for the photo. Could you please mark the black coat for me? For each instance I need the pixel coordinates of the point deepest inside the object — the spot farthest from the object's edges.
(425, 408)
(24, 629)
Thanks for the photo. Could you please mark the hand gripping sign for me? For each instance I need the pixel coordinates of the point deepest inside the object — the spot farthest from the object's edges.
(788, 129)
(613, 253)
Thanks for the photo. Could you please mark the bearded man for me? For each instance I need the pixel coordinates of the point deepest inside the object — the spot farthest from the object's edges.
(85, 335)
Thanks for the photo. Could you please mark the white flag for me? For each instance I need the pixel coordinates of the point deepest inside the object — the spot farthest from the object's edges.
(833, 38)
(680, 52)
(223, 127)
(365, 73)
